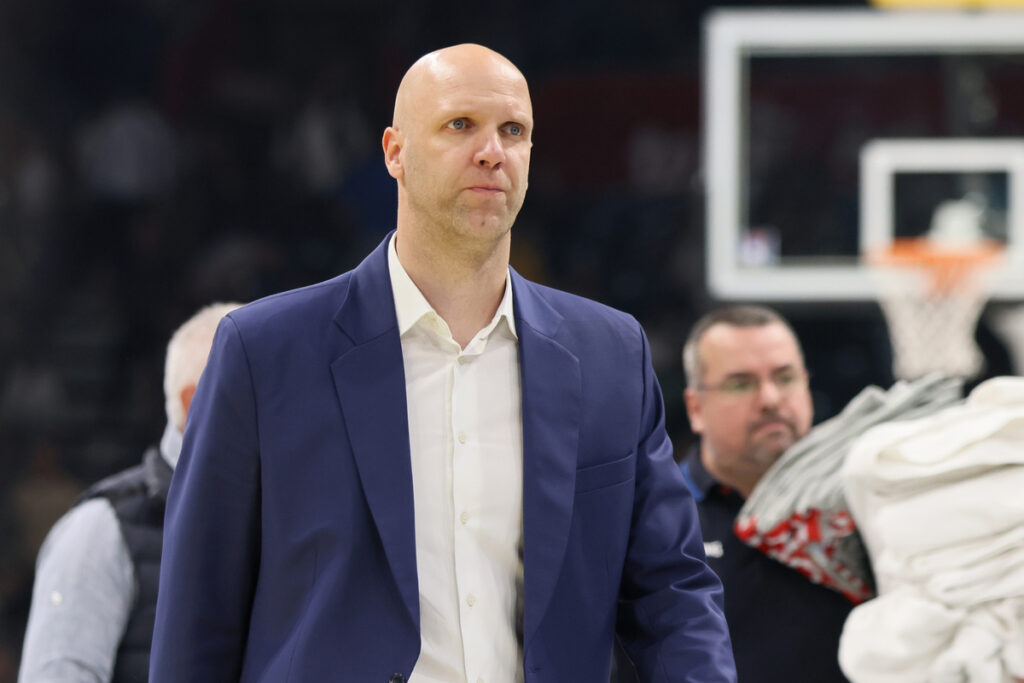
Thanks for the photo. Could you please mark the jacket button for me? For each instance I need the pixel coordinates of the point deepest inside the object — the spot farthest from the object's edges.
(397, 678)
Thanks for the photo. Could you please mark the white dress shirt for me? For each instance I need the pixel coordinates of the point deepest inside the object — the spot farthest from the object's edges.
(466, 444)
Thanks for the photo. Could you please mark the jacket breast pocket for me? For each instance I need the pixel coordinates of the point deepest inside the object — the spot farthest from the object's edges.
(606, 474)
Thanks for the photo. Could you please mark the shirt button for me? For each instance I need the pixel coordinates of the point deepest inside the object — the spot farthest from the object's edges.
(462, 437)
(470, 599)
(464, 517)
(463, 360)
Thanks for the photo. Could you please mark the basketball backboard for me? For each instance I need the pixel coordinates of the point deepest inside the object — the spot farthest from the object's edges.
(828, 133)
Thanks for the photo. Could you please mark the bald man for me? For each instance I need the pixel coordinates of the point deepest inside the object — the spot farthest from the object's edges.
(429, 469)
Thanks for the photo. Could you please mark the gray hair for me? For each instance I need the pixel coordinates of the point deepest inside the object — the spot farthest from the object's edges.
(740, 315)
(186, 357)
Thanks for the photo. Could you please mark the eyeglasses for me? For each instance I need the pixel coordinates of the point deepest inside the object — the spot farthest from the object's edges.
(744, 386)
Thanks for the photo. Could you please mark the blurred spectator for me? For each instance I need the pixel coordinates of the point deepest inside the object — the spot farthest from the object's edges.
(41, 496)
(128, 153)
(96, 578)
(35, 490)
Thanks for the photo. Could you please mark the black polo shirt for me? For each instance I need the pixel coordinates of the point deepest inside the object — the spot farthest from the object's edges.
(784, 628)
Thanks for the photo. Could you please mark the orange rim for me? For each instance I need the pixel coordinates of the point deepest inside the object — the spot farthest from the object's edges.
(947, 266)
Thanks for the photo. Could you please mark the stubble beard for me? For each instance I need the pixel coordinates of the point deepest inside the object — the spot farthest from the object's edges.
(761, 457)
(457, 225)
(479, 224)
(763, 454)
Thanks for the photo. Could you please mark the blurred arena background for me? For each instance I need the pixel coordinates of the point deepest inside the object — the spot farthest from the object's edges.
(156, 156)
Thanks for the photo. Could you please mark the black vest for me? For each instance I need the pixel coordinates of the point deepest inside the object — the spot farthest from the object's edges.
(138, 496)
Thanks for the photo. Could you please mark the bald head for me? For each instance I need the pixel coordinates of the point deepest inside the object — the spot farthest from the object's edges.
(449, 67)
(459, 148)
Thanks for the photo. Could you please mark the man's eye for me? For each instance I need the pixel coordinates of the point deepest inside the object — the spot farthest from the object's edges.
(457, 124)
(785, 380)
(515, 129)
(739, 386)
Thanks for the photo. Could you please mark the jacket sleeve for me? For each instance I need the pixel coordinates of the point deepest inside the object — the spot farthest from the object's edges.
(210, 555)
(670, 617)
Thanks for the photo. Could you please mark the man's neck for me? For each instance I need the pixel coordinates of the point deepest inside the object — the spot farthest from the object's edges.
(463, 283)
(743, 482)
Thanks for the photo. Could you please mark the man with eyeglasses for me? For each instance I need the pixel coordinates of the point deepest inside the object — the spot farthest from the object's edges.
(748, 398)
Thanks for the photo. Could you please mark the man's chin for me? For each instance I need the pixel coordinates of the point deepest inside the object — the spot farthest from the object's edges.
(486, 224)
(771, 450)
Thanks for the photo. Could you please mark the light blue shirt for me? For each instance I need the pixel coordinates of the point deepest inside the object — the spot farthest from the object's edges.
(84, 591)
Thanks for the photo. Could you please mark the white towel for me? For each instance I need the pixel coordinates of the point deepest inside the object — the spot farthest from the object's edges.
(939, 502)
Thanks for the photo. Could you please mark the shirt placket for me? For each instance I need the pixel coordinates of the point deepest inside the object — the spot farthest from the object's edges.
(465, 470)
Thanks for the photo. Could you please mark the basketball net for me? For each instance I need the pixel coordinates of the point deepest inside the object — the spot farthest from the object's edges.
(1009, 324)
(932, 294)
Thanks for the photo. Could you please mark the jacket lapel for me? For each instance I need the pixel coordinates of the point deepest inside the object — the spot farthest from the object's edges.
(369, 379)
(552, 394)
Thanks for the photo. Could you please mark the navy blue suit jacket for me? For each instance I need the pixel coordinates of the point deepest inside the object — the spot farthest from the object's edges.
(289, 548)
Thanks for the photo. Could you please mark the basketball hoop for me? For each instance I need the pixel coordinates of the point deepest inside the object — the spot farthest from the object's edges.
(932, 294)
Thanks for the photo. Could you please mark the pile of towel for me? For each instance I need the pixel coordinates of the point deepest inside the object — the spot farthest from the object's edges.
(939, 503)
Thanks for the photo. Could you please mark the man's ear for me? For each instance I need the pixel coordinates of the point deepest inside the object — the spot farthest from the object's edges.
(392, 144)
(694, 410)
(186, 401)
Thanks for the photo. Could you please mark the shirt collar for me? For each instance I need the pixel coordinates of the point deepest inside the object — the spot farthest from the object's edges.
(698, 479)
(411, 305)
(170, 445)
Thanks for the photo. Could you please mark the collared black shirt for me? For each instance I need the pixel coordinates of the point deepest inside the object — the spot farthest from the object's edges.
(784, 628)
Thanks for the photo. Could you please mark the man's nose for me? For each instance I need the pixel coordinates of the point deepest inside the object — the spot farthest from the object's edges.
(768, 392)
(491, 151)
